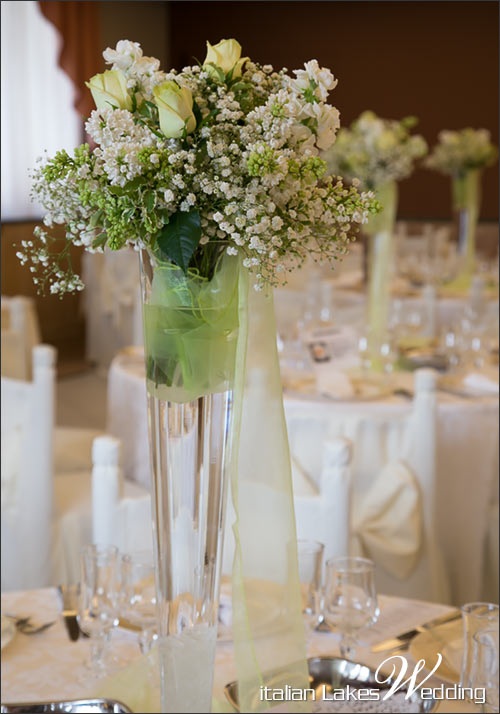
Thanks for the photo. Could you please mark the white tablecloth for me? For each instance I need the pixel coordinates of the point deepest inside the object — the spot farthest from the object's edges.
(48, 666)
(466, 471)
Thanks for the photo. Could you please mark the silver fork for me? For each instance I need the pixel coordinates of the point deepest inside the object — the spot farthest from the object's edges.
(26, 627)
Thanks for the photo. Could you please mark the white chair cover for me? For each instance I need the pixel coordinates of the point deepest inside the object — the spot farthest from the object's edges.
(393, 474)
(112, 303)
(20, 333)
(27, 425)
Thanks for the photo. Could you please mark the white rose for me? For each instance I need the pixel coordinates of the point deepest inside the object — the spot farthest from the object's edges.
(226, 55)
(175, 108)
(109, 89)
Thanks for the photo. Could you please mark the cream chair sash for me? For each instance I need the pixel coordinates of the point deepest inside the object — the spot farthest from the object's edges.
(387, 521)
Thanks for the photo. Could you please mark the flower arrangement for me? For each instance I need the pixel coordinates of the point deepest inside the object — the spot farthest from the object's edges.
(375, 151)
(460, 151)
(218, 158)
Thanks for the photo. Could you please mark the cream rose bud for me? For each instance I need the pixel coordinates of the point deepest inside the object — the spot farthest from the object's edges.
(109, 89)
(175, 109)
(226, 54)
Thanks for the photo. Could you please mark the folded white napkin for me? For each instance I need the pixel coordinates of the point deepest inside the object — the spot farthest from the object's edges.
(334, 383)
(481, 383)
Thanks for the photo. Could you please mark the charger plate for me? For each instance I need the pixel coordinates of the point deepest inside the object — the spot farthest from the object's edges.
(334, 673)
(446, 639)
(97, 706)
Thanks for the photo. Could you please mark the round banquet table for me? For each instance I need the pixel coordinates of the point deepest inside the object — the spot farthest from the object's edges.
(467, 459)
(50, 667)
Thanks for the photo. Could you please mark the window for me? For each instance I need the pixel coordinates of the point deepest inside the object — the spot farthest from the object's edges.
(37, 103)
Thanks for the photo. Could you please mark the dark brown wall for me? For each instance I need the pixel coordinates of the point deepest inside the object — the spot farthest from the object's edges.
(436, 60)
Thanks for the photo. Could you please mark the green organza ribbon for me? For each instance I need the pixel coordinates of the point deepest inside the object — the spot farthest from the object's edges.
(380, 230)
(204, 337)
(191, 331)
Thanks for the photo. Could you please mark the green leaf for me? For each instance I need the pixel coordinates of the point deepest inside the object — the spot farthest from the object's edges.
(96, 217)
(100, 240)
(180, 237)
(135, 183)
(197, 112)
(219, 72)
(149, 200)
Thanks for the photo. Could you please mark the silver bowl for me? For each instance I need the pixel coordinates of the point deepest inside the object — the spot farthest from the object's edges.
(333, 673)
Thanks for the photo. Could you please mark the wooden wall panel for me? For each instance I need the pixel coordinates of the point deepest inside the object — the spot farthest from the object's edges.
(436, 60)
(61, 320)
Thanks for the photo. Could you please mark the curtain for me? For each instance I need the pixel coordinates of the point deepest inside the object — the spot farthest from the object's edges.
(80, 53)
(37, 110)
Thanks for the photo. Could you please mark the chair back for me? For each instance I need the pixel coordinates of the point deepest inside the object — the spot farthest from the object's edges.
(27, 472)
(20, 333)
(120, 516)
(392, 482)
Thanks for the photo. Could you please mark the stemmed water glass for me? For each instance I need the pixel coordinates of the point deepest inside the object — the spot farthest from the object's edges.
(97, 603)
(485, 675)
(310, 556)
(137, 599)
(350, 600)
(476, 616)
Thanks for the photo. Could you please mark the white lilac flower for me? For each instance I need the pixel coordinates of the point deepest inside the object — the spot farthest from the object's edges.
(250, 169)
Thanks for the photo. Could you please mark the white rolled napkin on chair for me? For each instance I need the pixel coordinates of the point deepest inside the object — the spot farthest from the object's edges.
(387, 521)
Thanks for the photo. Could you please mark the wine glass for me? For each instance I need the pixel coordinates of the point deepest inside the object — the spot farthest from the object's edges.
(485, 670)
(97, 603)
(310, 555)
(137, 599)
(476, 616)
(350, 599)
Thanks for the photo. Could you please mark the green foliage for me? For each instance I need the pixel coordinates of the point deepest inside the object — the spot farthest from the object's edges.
(180, 237)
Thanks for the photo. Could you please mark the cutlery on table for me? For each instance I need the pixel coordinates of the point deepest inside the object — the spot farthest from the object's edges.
(26, 627)
(403, 641)
(68, 597)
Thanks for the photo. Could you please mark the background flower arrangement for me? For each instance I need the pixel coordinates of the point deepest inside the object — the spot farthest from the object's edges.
(375, 151)
(460, 151)
(218, 158)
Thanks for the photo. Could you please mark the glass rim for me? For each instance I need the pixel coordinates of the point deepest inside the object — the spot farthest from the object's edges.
(99, 549)
(470, 607)
(139, 557)
(348, 563)
(311, 546)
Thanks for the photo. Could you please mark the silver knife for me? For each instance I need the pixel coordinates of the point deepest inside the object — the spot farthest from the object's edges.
(69, 599)
(406, 637)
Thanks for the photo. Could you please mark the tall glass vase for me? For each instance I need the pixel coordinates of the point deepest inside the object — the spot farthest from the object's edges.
(380, 232)
(466, 190)
(191, 332)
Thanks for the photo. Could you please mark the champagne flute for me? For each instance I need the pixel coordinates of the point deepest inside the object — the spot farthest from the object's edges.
(97, 605)
(350, 599)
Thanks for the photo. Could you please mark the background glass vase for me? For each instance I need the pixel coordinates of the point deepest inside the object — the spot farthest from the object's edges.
(381, 255)
(466, 190)
(191, 326)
